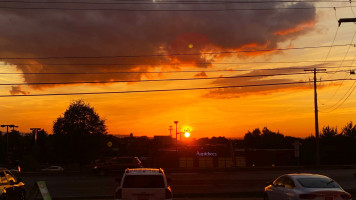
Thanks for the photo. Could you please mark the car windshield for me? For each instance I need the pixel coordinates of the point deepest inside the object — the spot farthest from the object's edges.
(318, 183)
(143, 181)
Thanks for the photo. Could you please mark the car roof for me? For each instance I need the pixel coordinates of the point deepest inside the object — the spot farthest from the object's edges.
(143, 171)
(306, 175)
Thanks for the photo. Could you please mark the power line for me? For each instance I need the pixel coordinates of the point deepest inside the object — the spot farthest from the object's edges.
(348, 49)
(168, 90)
(172, 10)
(159, 90)
(148, 72)
(176, 64)
(337, 103)
(176, 54)
(338, 106)
(154, 80)
(172, 2)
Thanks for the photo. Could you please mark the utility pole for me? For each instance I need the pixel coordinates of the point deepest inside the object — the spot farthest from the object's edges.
(317, 156)
(7, 135)
(176, 122)
(170, 130)
(35, 131)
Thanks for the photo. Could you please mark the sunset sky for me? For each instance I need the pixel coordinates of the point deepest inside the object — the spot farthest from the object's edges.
(161, 39)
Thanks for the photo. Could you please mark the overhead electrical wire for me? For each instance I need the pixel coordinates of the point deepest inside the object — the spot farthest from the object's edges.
(171, 10)
(174, 54)
(169, 2)
(166, 90)
(158, 90)
(161, 72)
(338, 88)
(338, 104)
(155, 80)
(174, 64)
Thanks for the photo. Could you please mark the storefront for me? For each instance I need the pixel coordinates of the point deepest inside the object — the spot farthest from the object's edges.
(208, 156)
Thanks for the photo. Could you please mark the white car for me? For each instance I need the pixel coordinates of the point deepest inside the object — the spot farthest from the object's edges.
(143, 184)
(53, 169)
(305, 186)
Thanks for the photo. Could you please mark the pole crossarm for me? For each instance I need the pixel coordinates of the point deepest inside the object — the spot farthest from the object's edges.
(342, 20)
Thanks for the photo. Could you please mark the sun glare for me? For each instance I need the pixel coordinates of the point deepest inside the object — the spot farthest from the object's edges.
(187, 134)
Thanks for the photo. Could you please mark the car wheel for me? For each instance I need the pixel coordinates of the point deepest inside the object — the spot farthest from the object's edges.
(265, 197)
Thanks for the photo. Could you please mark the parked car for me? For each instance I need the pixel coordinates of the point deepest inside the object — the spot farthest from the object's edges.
(53, 169)
(305, 186)
(11, 188)
(116, 164)
(143, 184)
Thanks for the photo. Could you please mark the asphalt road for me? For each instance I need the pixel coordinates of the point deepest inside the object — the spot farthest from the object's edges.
(208, 185)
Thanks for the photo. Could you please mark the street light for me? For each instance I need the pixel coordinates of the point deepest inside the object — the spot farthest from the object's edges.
(176, 122)
(7, 136)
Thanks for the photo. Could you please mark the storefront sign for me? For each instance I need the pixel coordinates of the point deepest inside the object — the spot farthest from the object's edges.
(206, 154)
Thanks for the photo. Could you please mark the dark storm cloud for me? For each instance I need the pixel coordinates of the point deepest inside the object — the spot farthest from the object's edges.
(41, 33)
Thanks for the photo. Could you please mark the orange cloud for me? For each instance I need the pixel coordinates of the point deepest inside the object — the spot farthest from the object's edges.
(298, 28)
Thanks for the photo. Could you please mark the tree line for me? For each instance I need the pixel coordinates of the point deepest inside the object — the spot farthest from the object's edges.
(80, 137)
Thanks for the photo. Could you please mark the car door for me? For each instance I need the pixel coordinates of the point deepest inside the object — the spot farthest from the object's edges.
(287, 191)
(277, 186)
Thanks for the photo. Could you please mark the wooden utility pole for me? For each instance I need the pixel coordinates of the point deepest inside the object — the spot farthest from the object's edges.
(317, 155)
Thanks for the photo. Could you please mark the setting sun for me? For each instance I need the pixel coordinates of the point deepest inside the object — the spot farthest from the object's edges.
(187, 134)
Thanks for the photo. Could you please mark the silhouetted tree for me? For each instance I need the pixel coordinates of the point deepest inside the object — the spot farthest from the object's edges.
(79, 133)
(329, 132)
(266, 139)
(253, 139)
(349, 130)
(79, 119)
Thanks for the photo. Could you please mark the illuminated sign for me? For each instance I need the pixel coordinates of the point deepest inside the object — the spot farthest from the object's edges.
(206, 154)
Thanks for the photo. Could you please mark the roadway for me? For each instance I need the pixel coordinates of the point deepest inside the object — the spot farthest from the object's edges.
(207, 185)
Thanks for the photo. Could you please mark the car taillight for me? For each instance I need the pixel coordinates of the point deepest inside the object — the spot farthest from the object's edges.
(346, 196)
(307, 196)
(118, 194)
(169, 194)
